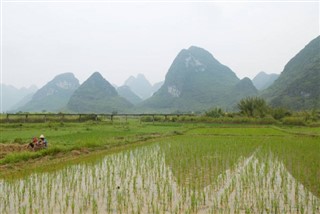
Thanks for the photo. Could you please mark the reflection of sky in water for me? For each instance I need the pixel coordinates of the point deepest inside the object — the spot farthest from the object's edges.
(141, 180)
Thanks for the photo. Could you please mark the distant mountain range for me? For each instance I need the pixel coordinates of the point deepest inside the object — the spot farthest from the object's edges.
(54, 96)
(141, 86)
(298, 86)
(195, 82)
(263, 80)
(156, 86)
(125, 92)
(12, 97)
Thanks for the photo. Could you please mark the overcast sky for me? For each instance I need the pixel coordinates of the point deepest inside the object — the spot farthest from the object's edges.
(43, 39)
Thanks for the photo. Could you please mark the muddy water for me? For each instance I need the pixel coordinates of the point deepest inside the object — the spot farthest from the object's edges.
(140, 181)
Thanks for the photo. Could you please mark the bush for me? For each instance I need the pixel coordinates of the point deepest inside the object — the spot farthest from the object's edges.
(152, 119)
(253, 107)
(267, 120)
(311, 116)
(146, 119)
(216, 113)
(279, 113)
(297, 121)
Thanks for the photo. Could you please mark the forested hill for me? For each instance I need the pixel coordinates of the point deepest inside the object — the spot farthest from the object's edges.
(298, 86)
(97, 95)
(54, 95)
(197, 81)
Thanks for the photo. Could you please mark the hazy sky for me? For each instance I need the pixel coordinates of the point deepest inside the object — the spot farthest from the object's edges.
(43, 39)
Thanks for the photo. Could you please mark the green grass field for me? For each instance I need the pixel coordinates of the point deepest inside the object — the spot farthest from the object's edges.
(165, 167)
(65, 137)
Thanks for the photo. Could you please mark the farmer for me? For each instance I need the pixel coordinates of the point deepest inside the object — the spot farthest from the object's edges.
(33, 143)
(43, 142)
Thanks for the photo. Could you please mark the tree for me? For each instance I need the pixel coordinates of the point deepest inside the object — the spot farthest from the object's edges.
(253, 107)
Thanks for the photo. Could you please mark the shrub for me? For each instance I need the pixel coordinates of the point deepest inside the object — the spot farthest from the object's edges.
(279, 113)
(216, 113)
(297, 121)
(146, 119)
(253, 107)
(311, 115)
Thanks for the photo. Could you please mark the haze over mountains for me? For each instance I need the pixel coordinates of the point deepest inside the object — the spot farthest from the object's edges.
(141, 86)
(12, 98)
(195, 82)
(54, 95)
(125, 92)
(263, 80)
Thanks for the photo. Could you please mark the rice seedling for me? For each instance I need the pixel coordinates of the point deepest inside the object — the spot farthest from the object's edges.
(205, 170)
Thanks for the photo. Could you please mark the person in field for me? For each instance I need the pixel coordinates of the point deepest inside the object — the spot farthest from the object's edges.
(43, 142)
(33, 143)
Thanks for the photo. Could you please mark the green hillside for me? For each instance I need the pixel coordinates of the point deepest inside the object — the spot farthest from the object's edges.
(54, 95)
(197, 81)
(128, 94)
(97, 95)
(298, 86)
(244, 88)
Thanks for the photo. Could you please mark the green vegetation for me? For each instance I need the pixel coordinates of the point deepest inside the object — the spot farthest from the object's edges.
(66, 137)
(181, 168)
(300, 155)
(256, 107)
(197, 159)
(253, 107)
(216, 112)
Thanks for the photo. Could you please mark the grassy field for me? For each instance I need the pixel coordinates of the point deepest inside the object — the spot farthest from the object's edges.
(162, 168)
(66, 137)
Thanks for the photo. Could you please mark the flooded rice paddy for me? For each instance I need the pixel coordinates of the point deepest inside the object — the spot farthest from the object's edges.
(184, 174)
